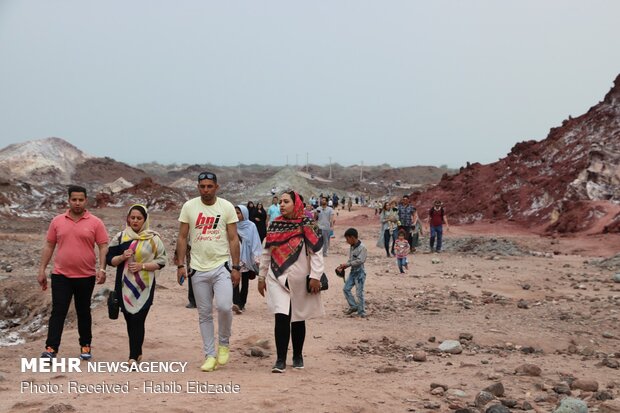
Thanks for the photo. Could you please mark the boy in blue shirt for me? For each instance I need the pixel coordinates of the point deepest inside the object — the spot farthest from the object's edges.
(357, 276)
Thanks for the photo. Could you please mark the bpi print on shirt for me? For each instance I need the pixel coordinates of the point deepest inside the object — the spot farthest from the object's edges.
(207, 227)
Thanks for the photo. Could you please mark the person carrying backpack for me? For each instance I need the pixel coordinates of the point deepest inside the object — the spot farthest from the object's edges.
(436, 219)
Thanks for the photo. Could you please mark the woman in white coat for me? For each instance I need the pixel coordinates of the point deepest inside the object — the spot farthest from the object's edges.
(292, 251)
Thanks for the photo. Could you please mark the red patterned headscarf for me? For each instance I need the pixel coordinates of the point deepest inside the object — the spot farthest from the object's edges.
(286, 237)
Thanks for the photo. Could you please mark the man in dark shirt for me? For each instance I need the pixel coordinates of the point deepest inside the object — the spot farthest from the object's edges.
(436, 219)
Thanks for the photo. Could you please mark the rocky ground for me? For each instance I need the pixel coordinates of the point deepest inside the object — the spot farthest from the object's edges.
(501, 321)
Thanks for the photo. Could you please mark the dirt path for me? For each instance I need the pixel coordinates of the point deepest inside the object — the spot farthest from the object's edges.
(569, 309)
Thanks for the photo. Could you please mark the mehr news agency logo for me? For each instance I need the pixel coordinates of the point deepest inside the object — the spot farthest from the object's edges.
(73, 365)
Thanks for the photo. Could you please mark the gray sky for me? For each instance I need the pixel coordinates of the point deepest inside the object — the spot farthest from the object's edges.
(227, 82)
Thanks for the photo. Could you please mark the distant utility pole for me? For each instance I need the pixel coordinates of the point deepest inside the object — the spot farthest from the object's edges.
(286, 160)
(330, 167)
(306, 162)
(296, 160)
(361, 170)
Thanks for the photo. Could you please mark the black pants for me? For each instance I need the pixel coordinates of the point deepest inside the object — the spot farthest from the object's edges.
(63, 289)
(284, 331)
(135, 330)
(386, 241)
(240, 292)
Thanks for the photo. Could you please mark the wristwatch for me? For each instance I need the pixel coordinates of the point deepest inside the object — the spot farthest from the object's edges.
(236, 267)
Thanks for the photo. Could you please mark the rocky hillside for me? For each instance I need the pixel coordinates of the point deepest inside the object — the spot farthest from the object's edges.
(568, 182)
(47, 160)
(34, 175)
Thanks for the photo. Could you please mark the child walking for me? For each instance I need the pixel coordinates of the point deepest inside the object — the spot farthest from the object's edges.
(401, 248)
(357, 276)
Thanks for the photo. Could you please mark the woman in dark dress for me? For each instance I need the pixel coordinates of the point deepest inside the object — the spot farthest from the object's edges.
(251, 209)
(260, 220)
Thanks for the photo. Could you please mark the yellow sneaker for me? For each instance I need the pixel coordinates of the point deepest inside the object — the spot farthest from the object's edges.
(223, 354)
(210, 364)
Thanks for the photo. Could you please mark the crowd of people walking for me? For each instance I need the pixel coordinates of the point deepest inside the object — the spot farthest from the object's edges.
(220, 248)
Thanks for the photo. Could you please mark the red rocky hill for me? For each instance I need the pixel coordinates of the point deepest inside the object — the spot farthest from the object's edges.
(568, 182)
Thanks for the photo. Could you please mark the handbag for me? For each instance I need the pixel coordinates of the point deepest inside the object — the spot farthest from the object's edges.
(113, 305)
(340, 273)
(324, 282)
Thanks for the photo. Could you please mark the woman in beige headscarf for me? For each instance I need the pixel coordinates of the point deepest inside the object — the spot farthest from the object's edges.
(139, 254)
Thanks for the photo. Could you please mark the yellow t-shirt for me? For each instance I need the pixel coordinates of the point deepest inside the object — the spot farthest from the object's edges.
(208, 233)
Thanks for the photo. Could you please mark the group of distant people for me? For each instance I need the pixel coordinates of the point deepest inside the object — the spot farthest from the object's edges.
(401, 229)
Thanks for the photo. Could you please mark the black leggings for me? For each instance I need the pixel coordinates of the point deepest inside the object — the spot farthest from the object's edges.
(135, 330)
(285, 330)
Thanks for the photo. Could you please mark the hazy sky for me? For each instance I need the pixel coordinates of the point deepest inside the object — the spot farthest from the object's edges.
(401, 82)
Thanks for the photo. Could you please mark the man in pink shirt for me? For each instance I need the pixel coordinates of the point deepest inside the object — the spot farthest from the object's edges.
(74, 275)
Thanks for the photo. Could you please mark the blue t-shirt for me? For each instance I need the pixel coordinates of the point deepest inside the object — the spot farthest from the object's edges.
(273, 212)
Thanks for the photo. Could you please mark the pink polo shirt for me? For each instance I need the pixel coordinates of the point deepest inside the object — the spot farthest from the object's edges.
(75, 244)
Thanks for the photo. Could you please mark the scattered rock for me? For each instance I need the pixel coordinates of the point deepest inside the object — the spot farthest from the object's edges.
(603, 395)
(483, 398)
(587, 351)
(496, 389)
(466, 336)
(612, 364)
(607, 334)
(526, 286)
(509, 402)
(435, 385)
(263, 343)
(386, 369)
(497, 408)
(523, 304)
(528, 370)
(528, 350)
(585, 385)
(419, 356)
(438, 391)
(609, 406)
(571, 405)
(616, 277)
(457, 393)
(256, 351)
(562, 388)
(451, 346)
(60, 408)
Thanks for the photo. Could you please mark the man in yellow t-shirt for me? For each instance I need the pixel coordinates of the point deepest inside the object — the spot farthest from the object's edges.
(210, 223)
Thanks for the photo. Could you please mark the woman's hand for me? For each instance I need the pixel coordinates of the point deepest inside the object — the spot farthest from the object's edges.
(262, 285)
(136, 266)
(315, 286)
(128, 253)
